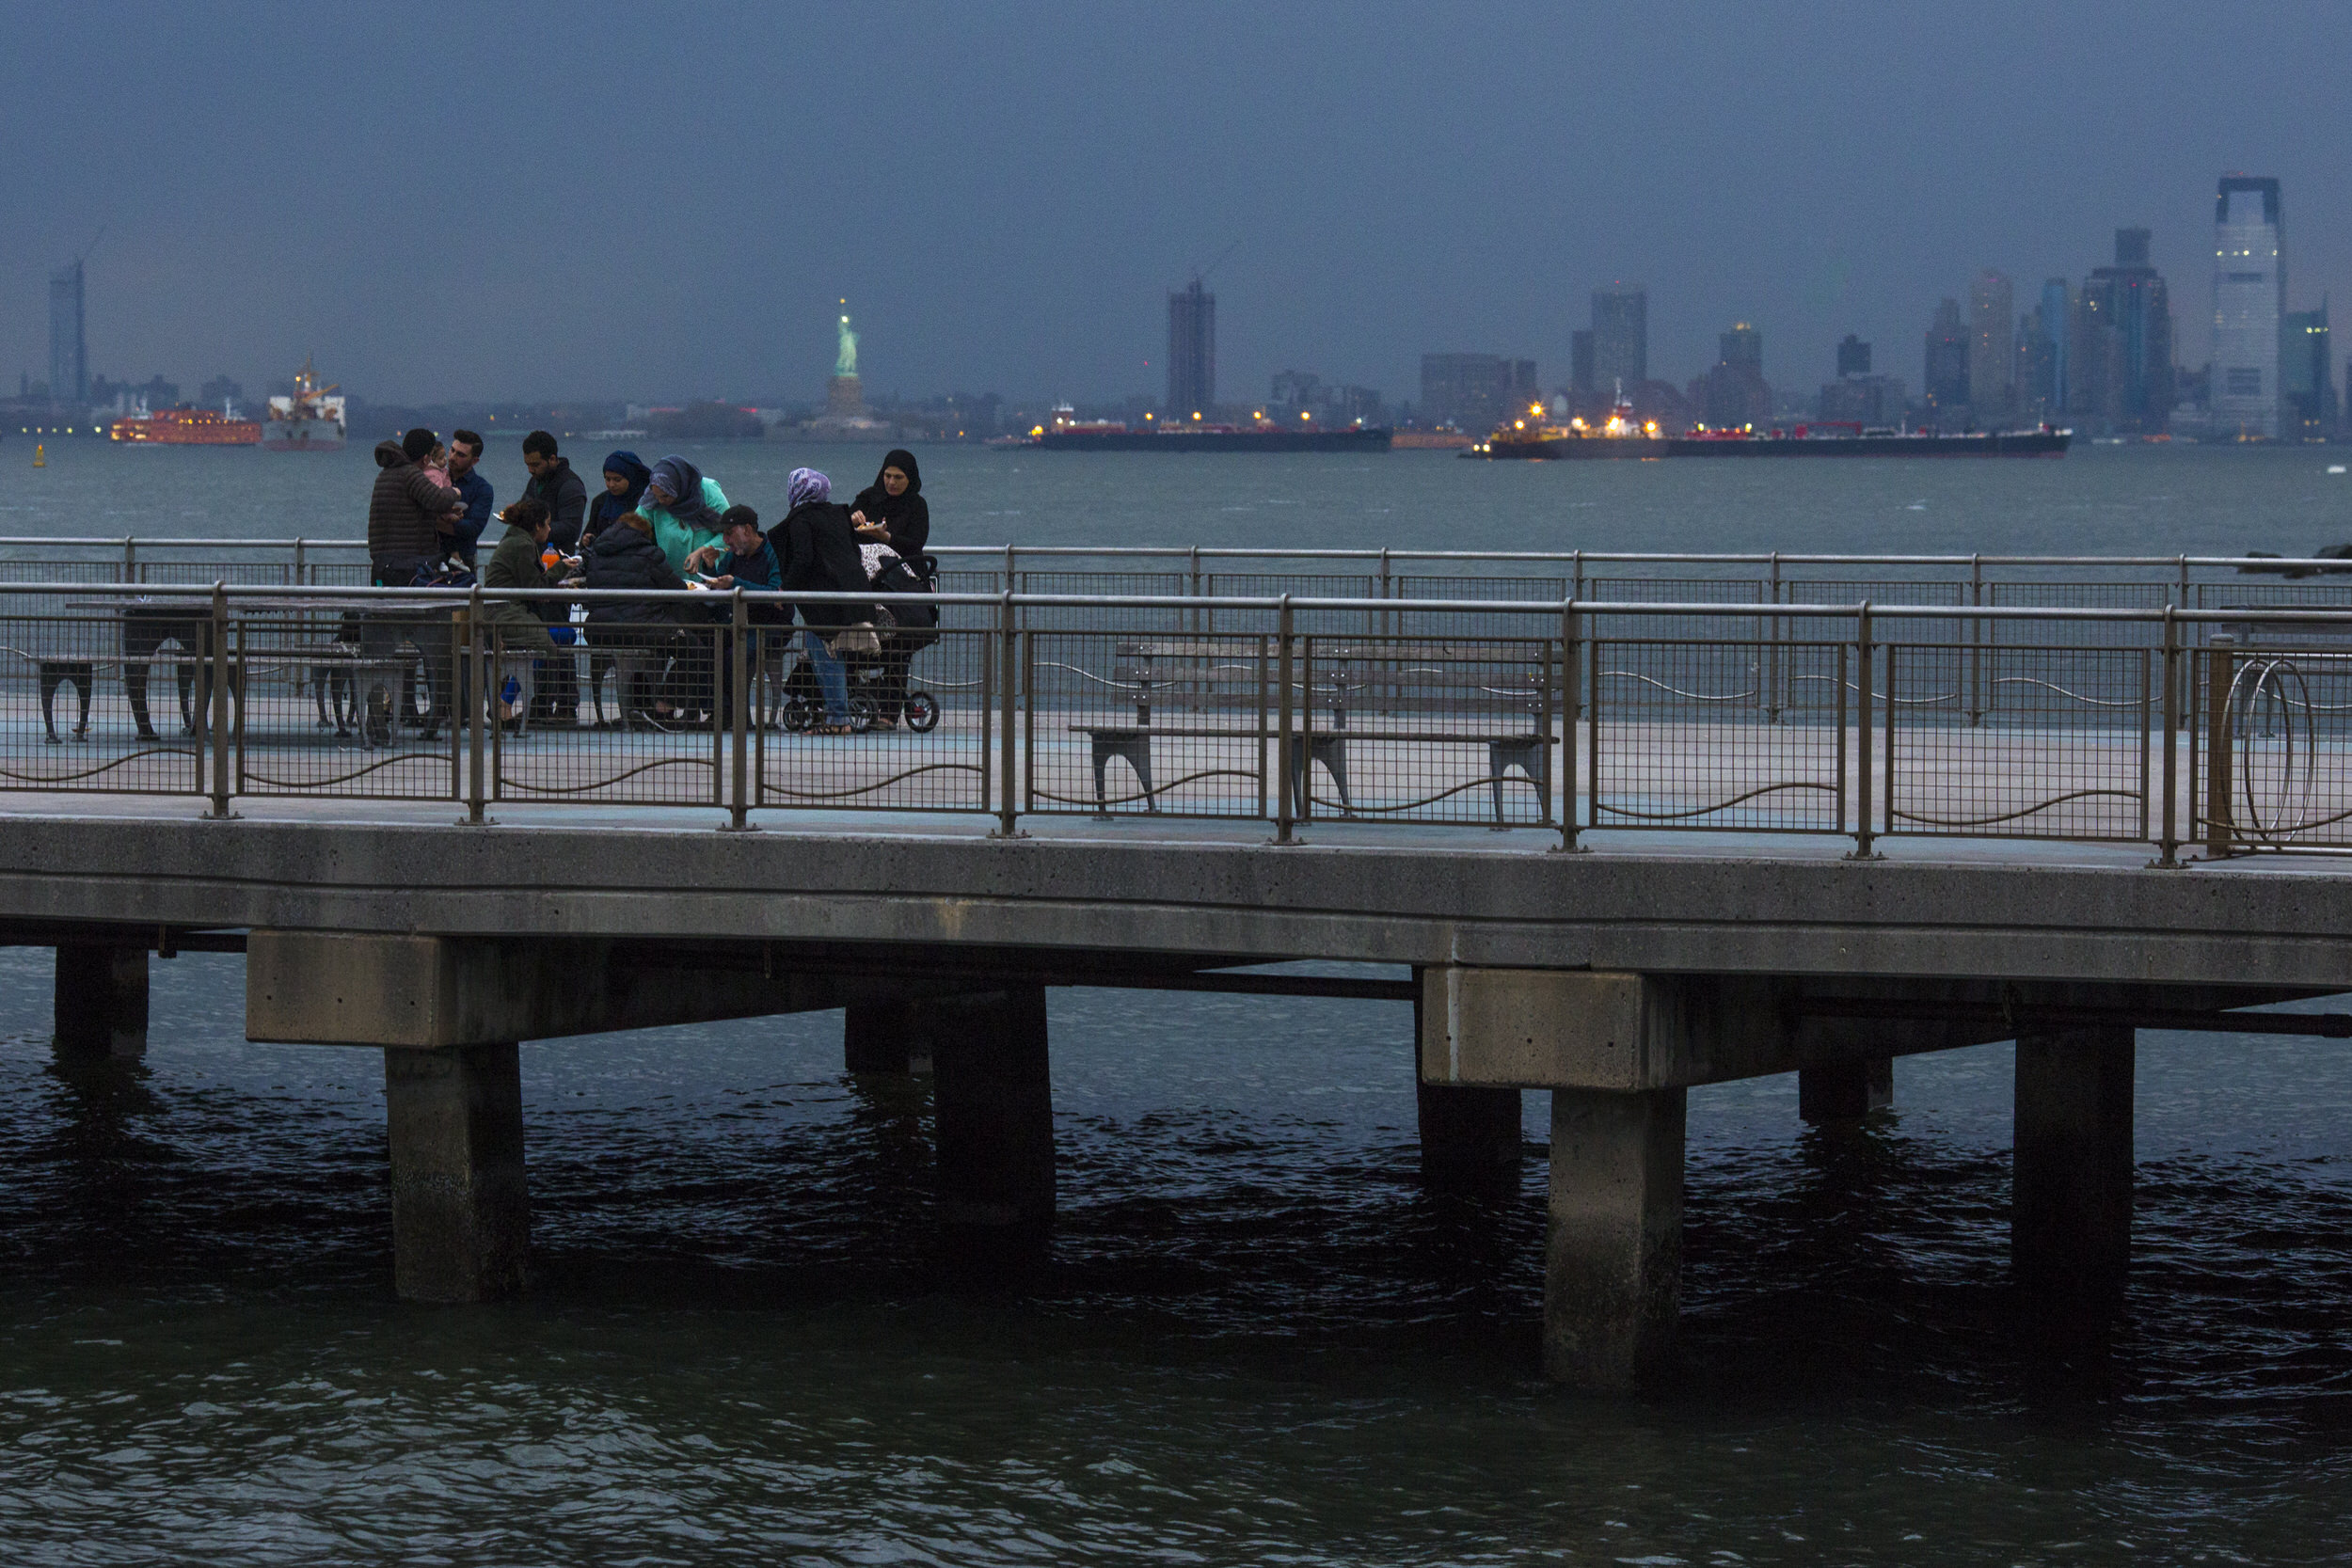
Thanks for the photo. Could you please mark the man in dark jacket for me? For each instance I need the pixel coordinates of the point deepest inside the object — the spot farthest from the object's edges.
(465, 464)
(553, 482)
(406, 510)
(639, 633)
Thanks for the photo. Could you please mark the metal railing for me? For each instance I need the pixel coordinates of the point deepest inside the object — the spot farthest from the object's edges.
(2230, 730)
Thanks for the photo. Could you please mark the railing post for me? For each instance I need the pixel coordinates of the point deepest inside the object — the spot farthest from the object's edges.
(1008, 762)
(1284, 808)
(1193, 612)
(1976, 640)
(1775, 634)
(301, 565)
(2220, 675)
(129, 559)
(1571, 709)
(738, 715)
(1863, 714)
(219, 716)
(2168, 848)
(477, 701)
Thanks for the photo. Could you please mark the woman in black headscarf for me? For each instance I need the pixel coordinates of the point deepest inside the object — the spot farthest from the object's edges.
(624, 479)
(891, 511)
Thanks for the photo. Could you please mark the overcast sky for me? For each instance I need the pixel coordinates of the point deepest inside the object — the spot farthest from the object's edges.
(664, 201)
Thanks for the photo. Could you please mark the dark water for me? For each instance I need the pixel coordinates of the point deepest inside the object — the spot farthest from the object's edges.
(1255, 1338)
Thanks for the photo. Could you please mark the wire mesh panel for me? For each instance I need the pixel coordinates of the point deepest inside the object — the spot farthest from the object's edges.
(2273, 748)
(921, 716)
(638, 714)
(1425, 730)
(351, 700)
(1301, 585)
(2080, 595)
(2064, 751)
(1535, 588)
(1676, 738)
(1142, 721)
(1880, 592)
(1086, 617)
(1660, 589)
(65, 720)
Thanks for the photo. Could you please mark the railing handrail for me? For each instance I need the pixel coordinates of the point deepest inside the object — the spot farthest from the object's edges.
(2318, 614)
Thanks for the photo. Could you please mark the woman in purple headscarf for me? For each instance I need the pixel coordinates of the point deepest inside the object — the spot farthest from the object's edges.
(817, 545)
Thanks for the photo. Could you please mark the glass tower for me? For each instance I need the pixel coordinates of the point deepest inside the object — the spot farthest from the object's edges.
(2248, 297)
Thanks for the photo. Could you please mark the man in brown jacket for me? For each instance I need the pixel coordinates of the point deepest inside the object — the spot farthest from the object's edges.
(408, 528)
(407, 514)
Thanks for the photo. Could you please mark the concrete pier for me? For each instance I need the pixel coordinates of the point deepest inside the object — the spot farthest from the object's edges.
(1612, 1249)
(2071, 1222)
(101, 1007)
(1469, 1138)
(1846, 1092)
(461, 1215)
(883, 1036)
(994, 1095)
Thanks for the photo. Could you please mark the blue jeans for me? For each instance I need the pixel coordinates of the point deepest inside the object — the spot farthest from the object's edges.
(830, 678)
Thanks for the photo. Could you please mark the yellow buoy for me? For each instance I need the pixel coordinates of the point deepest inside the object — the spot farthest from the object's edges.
(41, 455)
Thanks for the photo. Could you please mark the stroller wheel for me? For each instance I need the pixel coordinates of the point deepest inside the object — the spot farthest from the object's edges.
(862, 714)
(798, 714)
(922, 712)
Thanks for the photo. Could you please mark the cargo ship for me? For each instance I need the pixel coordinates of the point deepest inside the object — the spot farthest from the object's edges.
(1622, 437)
(311, 420)
(187, 427)
(1069, 434)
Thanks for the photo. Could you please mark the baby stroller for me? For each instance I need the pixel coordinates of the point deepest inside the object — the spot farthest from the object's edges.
(881, 693)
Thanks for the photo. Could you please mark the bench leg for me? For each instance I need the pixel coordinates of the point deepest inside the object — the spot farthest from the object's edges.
(1102, 796)
(1531, 759)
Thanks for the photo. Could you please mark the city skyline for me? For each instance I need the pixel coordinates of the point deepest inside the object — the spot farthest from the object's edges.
(1798, 171)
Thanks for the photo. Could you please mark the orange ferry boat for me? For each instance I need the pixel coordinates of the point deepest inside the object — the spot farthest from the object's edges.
(187, 427)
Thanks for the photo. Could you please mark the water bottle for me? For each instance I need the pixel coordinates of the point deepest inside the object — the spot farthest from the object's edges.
(512, 689)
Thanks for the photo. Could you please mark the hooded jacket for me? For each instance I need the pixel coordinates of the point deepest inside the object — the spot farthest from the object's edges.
(817, 545)
(566, 498)
(404, 509)
(515, 565)
(623, 558)
(908, 516)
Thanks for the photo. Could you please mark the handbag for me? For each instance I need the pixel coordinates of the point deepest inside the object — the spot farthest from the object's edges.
(859, 639)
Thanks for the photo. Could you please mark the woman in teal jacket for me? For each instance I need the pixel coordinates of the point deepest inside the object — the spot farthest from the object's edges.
(684, 509)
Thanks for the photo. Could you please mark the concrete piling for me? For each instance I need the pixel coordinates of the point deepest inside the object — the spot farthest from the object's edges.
(101, 1002)
(1846, 1092)
(1613, 1251)
(1469, 1138)
(2071, 1220)
(881, 1037)
(994, 1098)
(461, 1213)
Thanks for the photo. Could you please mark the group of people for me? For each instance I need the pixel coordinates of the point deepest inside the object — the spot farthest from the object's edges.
(653, 529)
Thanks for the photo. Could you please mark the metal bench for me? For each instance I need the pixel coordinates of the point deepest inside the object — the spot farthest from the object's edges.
(1365, 691)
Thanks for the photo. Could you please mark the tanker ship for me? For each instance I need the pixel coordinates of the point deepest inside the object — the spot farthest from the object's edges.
(187, 427)
(309, 420)
(1069, 433)
(1622, 435)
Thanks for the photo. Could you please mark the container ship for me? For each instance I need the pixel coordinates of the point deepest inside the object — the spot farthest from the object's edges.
(1067, 433)
(187, 427)
(309, 420)
(1623, 437)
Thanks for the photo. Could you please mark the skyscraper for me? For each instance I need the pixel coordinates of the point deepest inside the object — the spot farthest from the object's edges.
(1620, 337)
(2135, 303)
(1947, 361)
(1735, 393)
(1581, 362)
(1991, 346)
(1191, 351)
(2249, 293)
(2058, 311)
(1853, 356)
(2306, 384)
(69, 351)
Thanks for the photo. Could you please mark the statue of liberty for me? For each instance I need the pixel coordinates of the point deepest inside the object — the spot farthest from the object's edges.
(846, 364)
(845, 400)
